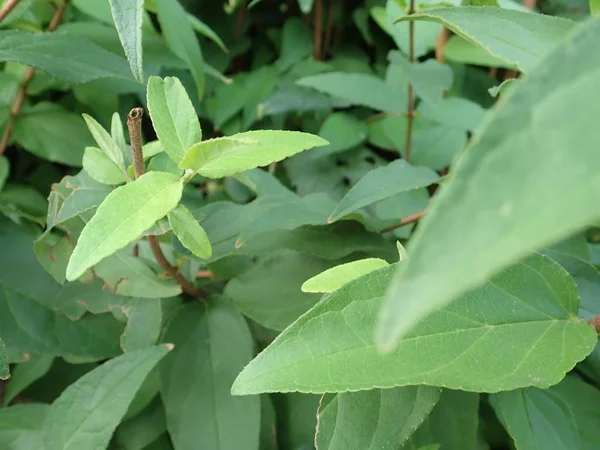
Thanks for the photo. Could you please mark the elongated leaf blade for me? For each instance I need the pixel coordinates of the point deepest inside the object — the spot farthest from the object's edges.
(88, 411)
(381, 183)
(515, 37)
(101, 168)
(336, 277)
(212, 344)
(222, 157)
(173, 116)
(123, 216)
(104, 140)
(4, 369)
(24, 374)
(128, 16)
(70, 59)
(482, 221)
(181, 39)
(473, 344)
(189, 232)
(374, 419)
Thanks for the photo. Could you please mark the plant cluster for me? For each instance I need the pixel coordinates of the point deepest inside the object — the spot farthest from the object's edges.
(291, 225)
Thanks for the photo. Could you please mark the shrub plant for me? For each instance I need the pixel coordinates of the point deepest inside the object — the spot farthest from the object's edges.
(325, 224)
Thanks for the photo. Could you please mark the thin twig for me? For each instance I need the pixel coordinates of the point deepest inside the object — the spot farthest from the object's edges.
(15, 110)
(7, 8)
(329, 29)
(440, 42)
(405, 221)
(529, 4)
(318, 36)
(595, 322)
(410, 114)
(239, 24)
(134, 124)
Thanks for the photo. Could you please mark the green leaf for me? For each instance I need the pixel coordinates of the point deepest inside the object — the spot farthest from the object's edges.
(60, 55)
(481, 221)
(52, 133)
(143, 430)
(105, 141)
(472, 344)
(336, 277)
(21, 426)
(221, 157)
(4, 170)
(537, 419)
(101, 168)
(357, 89)
(519, 38)
(189, 232)
(24, 374)
(128, 22)
(279, 302)
(88, 411)
(206, 31)
(173, 116)
(296, 43)
(381, 183)
(144, 323)
(212, 344)
(181, 39)
(375, 419)
(343, 131)
(125, 214)
(299, 419)
(4, 368)
(462, 51)
(595, 7)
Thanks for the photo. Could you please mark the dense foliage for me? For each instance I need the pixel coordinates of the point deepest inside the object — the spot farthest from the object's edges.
(287, 225)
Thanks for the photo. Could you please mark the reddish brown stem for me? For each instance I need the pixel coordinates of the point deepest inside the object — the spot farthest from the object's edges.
(410, 113)
(329, 29)
(595, 322)
(440, 43)
(529, 4)
(239, 25)
(15, 110)
(405, 221)
(318, 33)
(7, 8)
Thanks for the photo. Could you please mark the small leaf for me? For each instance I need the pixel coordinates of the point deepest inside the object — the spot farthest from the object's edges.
(189, 232)
(181, 38)
(221, 157)
(101, 168)
(475, 227)
(4, 170)
(124, 215)
(336, 277)
(357, 89)
(375, 419)
(473, 344)
(381, 183)
(127, 16)
(24, 374)
(212, 344)
(104, 140)
(530, 38)
(173, 116)
(4, 367)
(75, 60)
(88, 411)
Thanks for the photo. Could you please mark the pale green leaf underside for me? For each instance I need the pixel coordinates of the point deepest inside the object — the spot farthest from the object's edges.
(515, 37)
(127, 16)
(104, 140)
(101, 168)
(124, 215)
(336, 277)
(381, 183)
(482, 221)
(374, 419)
(173, 116)
(222, 157)
(498, 337)
(189, 232)
(88, 411)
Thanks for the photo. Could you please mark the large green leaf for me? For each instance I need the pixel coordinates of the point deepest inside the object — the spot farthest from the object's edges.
(49, 131)
(357, 89)
(375, 419)
(519, 38)
(181, 38)
(498, 337)
(492, 212)
(128, 16)
(381, 183)
(21, 426)
(212, 344)
(221, 157)
(123, 216)
(189, 232)
(88, 411)
(173, 116)
(60, 55)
